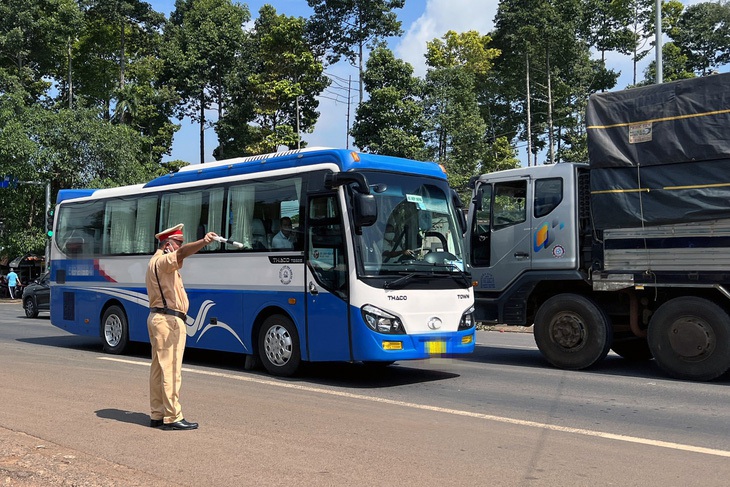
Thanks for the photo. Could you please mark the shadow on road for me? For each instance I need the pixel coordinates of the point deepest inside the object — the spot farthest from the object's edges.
(336, 374)
(124, 416)
(611, 365)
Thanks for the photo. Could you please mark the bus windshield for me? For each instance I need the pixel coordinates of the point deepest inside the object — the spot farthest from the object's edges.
(416, 229)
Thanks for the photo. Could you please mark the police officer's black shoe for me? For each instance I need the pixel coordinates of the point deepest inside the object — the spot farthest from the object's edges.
(180, 425)
(156, 423)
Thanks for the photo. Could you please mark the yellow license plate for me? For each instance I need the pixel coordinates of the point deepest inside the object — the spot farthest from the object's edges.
(435, 347)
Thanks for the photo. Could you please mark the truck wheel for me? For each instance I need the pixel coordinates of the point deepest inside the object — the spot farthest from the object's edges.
(279, 346)
(114, 330)
(572, 332)
(634, 349)
(690, 338)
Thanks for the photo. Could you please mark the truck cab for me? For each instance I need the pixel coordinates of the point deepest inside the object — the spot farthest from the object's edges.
(524, 228)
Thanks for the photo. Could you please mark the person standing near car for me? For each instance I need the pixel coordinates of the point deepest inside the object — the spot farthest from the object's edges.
(13, 281)
(166, 325)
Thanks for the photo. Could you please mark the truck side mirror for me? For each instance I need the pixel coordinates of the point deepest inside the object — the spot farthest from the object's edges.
(476, 200)
(459, 210)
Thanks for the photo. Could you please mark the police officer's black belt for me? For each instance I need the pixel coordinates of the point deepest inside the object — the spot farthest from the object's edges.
(168, 311)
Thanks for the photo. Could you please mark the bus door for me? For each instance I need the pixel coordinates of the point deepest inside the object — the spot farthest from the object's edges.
(328, 324)
(500, 245)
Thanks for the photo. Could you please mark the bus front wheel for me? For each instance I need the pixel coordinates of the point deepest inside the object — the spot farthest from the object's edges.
(279, 346)
(114, 330)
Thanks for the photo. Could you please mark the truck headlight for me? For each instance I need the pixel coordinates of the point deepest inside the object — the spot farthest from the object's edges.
(381, 321)
(467, 319)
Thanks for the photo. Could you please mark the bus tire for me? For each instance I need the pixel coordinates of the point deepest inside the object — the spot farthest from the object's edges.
(690, 338)
(114, 330)
(279, 346)
(572, 332)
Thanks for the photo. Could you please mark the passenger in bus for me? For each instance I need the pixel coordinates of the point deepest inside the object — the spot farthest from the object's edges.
(389, 245)
(285, 238)
(166, 325)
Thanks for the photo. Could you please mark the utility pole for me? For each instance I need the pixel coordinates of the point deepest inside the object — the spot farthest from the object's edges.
(658, 24)
(347, 129)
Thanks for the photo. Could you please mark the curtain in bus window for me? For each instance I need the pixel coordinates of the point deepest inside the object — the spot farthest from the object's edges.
(215, 212)
(144, 238)
(241, 201)
(184, 208)
(120, 224)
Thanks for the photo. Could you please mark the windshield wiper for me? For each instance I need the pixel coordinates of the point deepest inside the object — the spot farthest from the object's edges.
(407, 277)
(459, 276)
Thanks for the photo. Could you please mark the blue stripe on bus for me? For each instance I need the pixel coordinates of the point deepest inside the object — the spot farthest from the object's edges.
(230, 309)
(341, 157)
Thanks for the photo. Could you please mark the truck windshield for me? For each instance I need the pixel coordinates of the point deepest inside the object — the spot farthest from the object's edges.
(416, 235)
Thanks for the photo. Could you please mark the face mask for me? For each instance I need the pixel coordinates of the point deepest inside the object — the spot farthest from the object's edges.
(389, 235)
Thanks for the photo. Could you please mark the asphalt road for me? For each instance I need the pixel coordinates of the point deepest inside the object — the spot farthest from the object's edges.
(501, 416)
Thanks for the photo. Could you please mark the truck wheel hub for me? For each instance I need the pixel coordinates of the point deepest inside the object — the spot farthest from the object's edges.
(691, 338)
(567, 331)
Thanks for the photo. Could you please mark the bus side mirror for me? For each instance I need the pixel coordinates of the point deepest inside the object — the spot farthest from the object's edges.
(365, 211)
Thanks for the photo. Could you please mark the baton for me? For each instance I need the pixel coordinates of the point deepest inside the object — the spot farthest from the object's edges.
(229, 241)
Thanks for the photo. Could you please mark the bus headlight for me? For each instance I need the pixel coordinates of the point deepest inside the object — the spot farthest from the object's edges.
(382, 322)
(467, 319)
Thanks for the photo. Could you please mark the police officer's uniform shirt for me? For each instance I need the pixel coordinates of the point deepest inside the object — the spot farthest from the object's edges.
(170, 281)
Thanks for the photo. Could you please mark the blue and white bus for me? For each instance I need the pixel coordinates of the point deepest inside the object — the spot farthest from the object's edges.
(333, 296)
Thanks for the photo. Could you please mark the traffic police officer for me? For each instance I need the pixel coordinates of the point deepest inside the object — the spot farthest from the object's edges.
(166, 325)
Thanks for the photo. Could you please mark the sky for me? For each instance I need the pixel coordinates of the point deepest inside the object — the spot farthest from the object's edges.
(422, 21)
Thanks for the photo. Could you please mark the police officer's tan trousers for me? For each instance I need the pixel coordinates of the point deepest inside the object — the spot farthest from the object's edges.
(167, 336)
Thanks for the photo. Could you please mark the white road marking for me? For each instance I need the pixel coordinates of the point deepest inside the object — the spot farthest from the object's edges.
(455, 412)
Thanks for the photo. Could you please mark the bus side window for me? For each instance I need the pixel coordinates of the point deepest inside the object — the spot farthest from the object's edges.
(326, 244)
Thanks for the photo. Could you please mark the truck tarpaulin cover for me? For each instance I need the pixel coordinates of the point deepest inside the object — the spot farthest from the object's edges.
(660, 154)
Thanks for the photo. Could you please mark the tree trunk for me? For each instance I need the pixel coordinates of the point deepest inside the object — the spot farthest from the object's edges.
(202, 125)
(121, 57)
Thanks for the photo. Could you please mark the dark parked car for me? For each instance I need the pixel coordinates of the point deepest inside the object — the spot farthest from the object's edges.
(37, 296)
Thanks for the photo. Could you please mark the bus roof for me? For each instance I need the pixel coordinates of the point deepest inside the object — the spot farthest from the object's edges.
(345, 159)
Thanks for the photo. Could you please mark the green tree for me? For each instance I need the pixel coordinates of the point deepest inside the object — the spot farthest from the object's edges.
(116, 34)
(606, 26)
(203, 40)
(675, 66)
(461, 64)
(33, 41)
(287, 78)
(544, 73)
(392, 120)
(702, 34)
(68, 148)
(347, 27)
